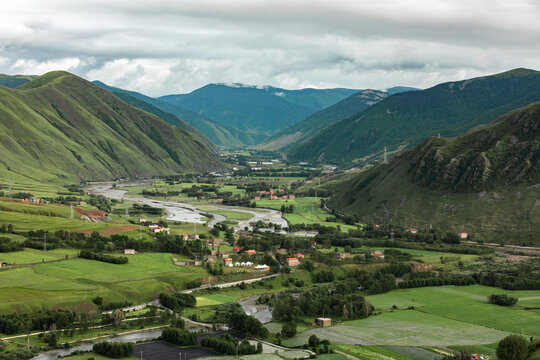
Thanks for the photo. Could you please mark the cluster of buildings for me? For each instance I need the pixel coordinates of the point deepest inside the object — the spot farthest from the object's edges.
(159, 229)
(273, 195)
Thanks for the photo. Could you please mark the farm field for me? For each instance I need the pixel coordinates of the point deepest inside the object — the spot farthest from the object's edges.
(216, 299)
(403, 328)
(75, 281)
(384, 353)
(32, 256)
(468, 304)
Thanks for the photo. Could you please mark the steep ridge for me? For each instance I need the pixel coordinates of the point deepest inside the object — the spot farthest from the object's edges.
(301, 132)
(61, 128)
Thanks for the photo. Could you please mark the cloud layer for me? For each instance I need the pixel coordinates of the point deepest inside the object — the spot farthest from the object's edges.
(163, 47)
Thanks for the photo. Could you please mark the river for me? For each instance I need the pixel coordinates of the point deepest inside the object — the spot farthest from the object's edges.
(178, 211)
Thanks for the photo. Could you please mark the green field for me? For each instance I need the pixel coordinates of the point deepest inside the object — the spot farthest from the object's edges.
(216, 299)
(468, 304)
(32, 256)
(374, 352)
(75, 281)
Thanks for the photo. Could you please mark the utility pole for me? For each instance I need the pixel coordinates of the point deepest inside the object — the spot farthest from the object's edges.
(127, 212)
(45, 242)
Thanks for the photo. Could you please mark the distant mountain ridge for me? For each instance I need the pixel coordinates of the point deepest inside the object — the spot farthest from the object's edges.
(405, 119)
(301, 132)
(61, 128)
(489, 176)
(257, 111)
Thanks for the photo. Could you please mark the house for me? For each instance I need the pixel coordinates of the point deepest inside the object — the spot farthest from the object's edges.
(378, 254)
(291, 197)
(256, 198)
(281, 251)
(421, 267)
(211, 260)
(242, 264)
(292, 261)
(194, 237)
(224, 254)
(463, 235)
(281, 191)
(228, 262)
(184, 237)
(273, 197)
(193, 263)
(215, 242)
(237, 264)
(249, 263)
(343, 255)
(35, 200)
(324, 322)
(236, 249)
(412, 231)
(251, 252)
(219, 201)
(284, 197)
(180, 263)
(299, 255)
(141, 220)
(129, 251)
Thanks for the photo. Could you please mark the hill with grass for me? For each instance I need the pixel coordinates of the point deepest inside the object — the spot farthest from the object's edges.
(60, 128)
(12, 81)
(485, 179)
(256, 112)
(301, 132)
(218, 134)
(404, 120)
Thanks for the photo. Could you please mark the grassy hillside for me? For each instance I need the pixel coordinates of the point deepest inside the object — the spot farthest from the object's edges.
(12, 81)
(59, 128)
(301, 132)
(218, 134)
(406, 119)
(257, 112)
(486, 179)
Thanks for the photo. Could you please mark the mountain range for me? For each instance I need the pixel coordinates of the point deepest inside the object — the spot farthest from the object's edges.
(488, 177)
(256, 112)
(406, 119)
(61, 128)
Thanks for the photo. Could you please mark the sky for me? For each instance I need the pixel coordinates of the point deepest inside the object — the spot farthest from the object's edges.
(165, 47)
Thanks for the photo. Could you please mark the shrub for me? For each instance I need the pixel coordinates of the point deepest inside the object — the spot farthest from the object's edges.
(502, 299)
(113, 350)
(512, 347)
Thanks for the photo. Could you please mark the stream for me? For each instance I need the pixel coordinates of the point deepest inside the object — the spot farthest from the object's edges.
(177, 211)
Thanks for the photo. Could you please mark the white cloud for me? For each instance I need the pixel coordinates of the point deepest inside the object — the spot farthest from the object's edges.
(164, 46)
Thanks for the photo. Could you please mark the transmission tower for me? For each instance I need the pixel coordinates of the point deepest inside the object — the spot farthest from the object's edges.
(71, 216)
(127, 212)
(385, 159)
(9, 189)
(45, 242)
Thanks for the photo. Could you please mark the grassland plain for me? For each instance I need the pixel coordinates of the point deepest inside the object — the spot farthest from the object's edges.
(372, 353)
(468, 304)
(33, 256)
(75, 281)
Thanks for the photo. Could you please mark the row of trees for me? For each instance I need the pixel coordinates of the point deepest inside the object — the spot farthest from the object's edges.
(115, 350)
(103, 257)
(177, 301)
(39, 320)
(229, 345)
(179, 336)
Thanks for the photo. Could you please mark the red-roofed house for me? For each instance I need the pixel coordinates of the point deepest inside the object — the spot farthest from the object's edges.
(292, 261)
(299, 256)
(251, 252)
(412, 231)
(228, 261)
(236, 249)
(463, 235)
(378, 254)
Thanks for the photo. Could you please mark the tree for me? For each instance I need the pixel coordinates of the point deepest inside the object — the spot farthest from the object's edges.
(288, 330)
(117, 316)
(512, 347)
(314, 341)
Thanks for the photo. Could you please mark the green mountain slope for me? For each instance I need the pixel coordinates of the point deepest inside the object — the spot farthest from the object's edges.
(61, 128)
(218, 134)
(12, 81)
(488, 178)
(405, 119)
(301, 132)
(257, 112)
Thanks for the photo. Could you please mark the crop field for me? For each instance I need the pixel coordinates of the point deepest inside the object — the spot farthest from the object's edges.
(32, 256)
(403, 328)
(75, 281)
(468, 304)
(216, 299)
(379, 353)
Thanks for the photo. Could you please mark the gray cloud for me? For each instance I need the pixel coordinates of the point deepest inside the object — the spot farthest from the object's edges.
(163, 47)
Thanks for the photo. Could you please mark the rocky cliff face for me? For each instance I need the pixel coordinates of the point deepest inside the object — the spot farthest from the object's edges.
(505, 152)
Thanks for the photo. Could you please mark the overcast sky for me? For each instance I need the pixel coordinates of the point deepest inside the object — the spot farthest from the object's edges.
(161, 47)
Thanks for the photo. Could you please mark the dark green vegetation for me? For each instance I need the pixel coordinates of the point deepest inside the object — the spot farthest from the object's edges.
(229, 345)
(483, 180)
(179, 336)
(513, 347)
(113, 350)
(61, 128)
(294, 136)
(256, 112)
(502, 299)
(85, 254)
(218, 134)
(406, 119)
